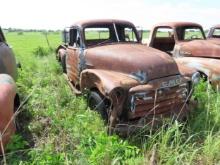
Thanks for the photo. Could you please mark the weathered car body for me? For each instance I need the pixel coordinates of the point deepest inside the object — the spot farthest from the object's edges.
(7, 97)
(187, 40)
(9, 100)
(213, 35)
(131, 81)
(7, 58)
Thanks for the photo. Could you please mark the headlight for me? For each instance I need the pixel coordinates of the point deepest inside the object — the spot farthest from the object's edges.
(196, 78)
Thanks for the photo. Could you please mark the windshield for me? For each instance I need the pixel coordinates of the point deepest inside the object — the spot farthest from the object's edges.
(106, 34)
(190, 33)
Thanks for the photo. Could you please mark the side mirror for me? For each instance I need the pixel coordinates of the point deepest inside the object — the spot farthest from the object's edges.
(65, 36)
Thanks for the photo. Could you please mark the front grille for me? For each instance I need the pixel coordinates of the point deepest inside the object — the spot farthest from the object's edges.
(156, 102)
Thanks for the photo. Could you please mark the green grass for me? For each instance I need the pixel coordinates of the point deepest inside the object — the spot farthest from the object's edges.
(57, 128)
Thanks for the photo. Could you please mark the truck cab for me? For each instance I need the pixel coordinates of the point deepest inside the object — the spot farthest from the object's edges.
(187, 43)
(126, 81)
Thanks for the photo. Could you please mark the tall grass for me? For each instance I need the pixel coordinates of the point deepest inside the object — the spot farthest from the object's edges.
(56, 127)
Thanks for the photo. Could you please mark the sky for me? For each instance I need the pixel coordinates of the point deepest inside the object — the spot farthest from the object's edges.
(57, 14)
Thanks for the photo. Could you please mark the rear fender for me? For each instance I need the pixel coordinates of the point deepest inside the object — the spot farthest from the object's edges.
(60, 51)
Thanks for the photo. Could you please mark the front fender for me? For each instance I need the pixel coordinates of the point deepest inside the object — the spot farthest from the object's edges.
(7, 96)
(105, 81)
(113, 85)
(209, 67)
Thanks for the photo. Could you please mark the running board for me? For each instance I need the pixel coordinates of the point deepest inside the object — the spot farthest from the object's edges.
(73, 88)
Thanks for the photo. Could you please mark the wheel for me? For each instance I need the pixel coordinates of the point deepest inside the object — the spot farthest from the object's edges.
(63, 63)
(97, 102)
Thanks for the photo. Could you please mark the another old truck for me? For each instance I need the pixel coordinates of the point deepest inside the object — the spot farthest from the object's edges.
(9, 100)
(126, 81)
(214, 34)
(187, 40)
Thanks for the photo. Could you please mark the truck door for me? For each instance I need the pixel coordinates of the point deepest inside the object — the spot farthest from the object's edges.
(73, 57)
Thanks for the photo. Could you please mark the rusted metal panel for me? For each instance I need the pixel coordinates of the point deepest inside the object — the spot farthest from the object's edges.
(85, 23)
(7, 95)
(72, 61)
(212, 37)
(199, 54)
(128, 58)
(176, 24)
(119, 70)
(209, 67)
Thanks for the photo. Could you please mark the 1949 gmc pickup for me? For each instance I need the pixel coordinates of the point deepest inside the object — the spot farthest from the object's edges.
(187, 40)
(126, 81)
(9, 100)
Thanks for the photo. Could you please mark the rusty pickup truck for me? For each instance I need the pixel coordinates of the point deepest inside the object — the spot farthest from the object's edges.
(126, 82)
(214, 34)
(187, 40)
(9, 100)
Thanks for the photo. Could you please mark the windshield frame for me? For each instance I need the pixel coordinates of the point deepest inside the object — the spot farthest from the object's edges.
(112, 26)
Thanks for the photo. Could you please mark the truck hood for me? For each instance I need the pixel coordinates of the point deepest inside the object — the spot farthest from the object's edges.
(214, 40)
(200, 48)
(130, 59)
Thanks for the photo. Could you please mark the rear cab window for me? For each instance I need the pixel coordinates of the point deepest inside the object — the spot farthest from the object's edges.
(164, 33)
(216, 33)
(190, 33)
(164, 39)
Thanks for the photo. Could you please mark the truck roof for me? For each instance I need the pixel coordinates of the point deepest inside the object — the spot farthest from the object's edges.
(177, 24)
(85, 23)
(216, 26)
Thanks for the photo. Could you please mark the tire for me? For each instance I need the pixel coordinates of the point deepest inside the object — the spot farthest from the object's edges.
(63, 63)
(97, 102)
(16, 102)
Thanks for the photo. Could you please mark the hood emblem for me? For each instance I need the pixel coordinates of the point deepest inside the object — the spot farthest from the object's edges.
(140, 76)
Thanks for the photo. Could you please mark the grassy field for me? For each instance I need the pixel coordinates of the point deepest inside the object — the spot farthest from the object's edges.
(55, 127)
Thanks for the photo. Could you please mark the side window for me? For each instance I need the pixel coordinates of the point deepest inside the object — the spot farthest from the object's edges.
(130, 35)
(126, 33)
(164, 33)
(97, 33)
(74, 38)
